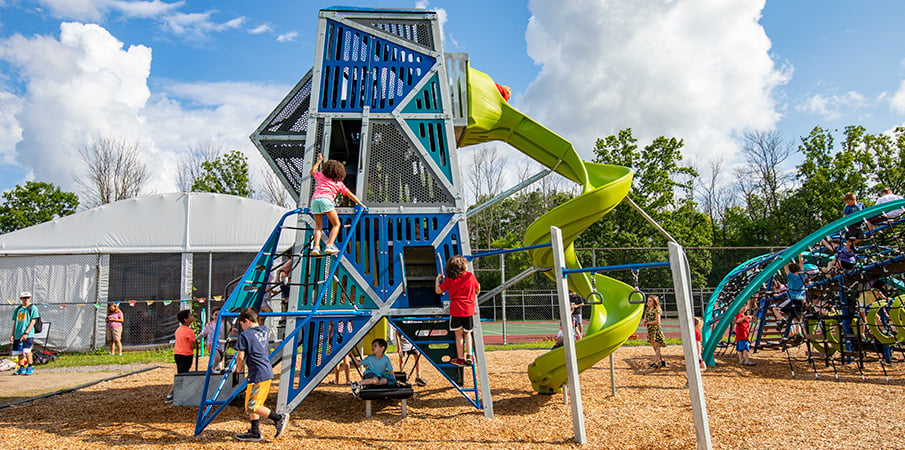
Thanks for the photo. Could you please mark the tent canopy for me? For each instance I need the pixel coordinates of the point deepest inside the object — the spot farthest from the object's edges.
(159, 223)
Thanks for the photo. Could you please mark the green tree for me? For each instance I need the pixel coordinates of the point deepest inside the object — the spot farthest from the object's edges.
(825, 176)
(34, 203)
(663, 187)
(889, 153)
(227, 174)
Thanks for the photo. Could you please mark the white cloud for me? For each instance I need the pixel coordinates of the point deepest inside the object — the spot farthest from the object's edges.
(86, 83)
(833, 106)
(700, 71)
(97, 9)
(897, 101)
(198, 25)
(10, 131)
(261, 29)
(287, 37)
(83, 83)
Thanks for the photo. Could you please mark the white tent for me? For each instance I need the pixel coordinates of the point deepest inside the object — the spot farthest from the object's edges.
(65, 262)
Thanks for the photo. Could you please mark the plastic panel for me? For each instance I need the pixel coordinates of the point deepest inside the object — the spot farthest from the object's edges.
(432, 135)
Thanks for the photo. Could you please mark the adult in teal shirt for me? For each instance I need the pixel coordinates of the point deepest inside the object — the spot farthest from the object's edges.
(23, 335)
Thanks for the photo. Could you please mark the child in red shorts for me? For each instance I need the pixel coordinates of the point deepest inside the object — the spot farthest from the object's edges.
(463, 290)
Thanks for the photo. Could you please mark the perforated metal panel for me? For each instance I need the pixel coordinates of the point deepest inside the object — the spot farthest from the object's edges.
(416, 31)
(397, 174)
(293, 117)
(289, 157)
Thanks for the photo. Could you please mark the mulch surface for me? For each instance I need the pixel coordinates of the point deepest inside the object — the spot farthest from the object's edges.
(752, 407)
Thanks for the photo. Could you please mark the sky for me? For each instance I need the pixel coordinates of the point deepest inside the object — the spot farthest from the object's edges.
(175, 74)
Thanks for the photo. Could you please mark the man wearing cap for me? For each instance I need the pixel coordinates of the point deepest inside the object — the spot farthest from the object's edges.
(23, 335)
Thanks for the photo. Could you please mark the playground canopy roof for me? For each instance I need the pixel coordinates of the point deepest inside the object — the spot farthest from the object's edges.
(159, 223)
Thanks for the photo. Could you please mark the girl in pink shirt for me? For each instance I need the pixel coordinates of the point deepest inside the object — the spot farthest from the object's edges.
(329, 185)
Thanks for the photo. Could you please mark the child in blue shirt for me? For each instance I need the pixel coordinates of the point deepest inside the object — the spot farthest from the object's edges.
(252, 350)
(379, 368)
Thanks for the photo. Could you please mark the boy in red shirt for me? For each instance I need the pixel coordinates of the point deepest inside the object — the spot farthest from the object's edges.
(184, 351)
(742, 327)
(463, 290)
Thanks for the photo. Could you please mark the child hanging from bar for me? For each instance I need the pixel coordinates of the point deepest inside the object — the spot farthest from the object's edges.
(329, 185)
(463, 290)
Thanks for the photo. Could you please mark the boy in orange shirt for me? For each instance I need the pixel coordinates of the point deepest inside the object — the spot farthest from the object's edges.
(184, 351)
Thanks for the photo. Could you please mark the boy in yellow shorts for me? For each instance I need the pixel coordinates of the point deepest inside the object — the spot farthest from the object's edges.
(252, 350)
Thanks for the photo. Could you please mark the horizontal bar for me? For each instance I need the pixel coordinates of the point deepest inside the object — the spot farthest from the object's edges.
(649, 265)
(504, 250)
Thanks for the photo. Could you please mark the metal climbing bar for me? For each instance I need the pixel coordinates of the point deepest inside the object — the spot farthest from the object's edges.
(503, 251)
(650, 265)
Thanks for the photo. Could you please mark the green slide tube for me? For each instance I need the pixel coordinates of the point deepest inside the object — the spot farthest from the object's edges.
(490, 118)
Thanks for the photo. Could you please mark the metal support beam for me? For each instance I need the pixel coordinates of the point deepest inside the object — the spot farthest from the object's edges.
(565, 314)
(681, 278)
(510, 191)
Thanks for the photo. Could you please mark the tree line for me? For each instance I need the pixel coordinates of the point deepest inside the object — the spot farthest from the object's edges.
(764, 201)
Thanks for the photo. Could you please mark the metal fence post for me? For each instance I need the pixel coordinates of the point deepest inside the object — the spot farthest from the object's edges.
(503, 295)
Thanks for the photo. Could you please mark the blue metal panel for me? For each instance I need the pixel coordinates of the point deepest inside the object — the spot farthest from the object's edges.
(360, 69)
(379, 241)
(432, 135)
(428, 100)
(314, 344)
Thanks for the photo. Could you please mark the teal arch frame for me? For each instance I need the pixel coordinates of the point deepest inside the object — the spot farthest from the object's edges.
(712, 335)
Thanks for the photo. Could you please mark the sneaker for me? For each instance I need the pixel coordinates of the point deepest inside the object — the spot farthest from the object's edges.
(356, 388)
(29, 370)
(169, 399)
(662, 363)
(331, 250)
(249, 437)
(281, 424)
(797, 339)
(458, 362)
(19, 371)
(469, 362)
(420, 381)
(316, 251)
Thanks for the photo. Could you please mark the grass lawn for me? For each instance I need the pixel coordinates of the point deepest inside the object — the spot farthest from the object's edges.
(101, 357)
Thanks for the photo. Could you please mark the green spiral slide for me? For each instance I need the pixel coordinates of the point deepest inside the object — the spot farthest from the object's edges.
(490, 118)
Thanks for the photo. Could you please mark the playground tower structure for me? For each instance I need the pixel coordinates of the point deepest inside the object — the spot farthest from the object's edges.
(383, 99)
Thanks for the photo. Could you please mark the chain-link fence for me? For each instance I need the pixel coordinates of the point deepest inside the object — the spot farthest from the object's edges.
(531, 308)
(73, 292)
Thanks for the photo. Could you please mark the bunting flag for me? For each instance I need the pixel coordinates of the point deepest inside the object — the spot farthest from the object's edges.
(9, 301)
(99, 305)
(201, 300)
(218, 297)
(167, 302)
(132, 302)
(149, 302)
(117, 304)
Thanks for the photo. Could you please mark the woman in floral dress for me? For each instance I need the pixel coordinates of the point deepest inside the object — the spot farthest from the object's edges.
(654, 332)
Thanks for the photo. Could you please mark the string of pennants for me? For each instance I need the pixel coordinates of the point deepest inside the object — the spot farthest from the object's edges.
(128, 302)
